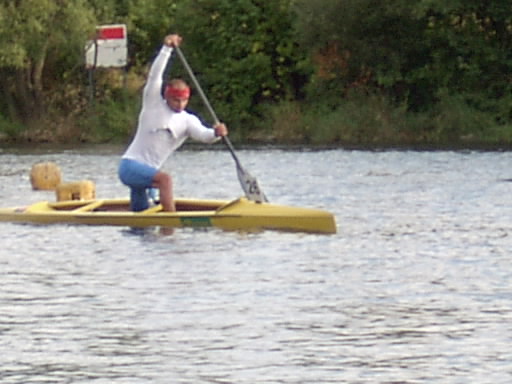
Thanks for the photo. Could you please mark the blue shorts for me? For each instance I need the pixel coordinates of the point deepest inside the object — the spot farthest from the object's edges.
(139, 177)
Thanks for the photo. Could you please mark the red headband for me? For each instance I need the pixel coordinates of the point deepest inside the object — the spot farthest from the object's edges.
(177, 93)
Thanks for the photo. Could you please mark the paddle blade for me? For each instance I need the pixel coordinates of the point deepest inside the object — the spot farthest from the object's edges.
(250, 186)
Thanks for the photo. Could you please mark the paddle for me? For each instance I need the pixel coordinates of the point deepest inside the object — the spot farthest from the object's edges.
(249, 183)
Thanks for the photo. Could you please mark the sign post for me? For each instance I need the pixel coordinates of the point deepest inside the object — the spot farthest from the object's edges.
(109, 49)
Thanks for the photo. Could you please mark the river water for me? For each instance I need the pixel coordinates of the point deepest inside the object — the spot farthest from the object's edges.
(414, 288)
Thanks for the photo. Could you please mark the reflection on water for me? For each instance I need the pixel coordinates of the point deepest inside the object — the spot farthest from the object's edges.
(414, 287)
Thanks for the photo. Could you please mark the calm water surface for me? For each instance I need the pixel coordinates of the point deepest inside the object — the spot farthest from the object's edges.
(414, 288)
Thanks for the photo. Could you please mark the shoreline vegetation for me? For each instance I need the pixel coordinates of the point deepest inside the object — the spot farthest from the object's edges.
(367, 122)
(289, 73)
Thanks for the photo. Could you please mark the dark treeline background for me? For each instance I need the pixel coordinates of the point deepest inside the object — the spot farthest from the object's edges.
(341, 72)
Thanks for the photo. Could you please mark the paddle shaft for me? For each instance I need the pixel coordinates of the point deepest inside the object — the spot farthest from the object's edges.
(249, 184)
(207, 103)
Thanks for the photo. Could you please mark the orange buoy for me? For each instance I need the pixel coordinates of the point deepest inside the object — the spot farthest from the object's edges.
(46, 176)
(79, 190)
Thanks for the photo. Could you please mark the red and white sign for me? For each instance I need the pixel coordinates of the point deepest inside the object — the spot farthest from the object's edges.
(109, 49)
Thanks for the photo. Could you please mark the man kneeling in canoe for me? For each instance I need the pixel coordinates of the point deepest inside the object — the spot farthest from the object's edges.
(163, 127)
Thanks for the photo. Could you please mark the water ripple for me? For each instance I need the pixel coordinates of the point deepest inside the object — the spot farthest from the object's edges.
(414, 288)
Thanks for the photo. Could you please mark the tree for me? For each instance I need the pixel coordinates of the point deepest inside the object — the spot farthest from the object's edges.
(148, 23)
(35, 33)
(412, 50)
(244, 53)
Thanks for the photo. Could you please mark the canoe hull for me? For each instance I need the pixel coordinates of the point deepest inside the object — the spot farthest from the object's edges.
(240, 214)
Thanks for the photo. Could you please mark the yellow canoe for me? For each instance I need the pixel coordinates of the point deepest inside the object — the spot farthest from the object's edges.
(239, 214)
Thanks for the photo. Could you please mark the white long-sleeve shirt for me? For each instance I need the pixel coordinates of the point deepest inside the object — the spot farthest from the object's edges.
(160, 130)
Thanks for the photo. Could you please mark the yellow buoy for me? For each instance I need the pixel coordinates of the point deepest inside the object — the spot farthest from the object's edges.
(79, 190)
(45, 176)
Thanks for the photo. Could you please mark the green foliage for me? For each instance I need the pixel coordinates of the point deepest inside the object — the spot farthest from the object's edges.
(31, 29)
(282, 123)
(358, 44)
(148, 23)
(361, 119)
(350, 71)
(358, 119)
(41, 43)
(10, 129)
(455, 120)
(411, 49)
(243, 52)
(111, 120)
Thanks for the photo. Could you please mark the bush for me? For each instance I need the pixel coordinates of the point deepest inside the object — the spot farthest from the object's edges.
(455, 120)
(113, 119)
(359, 119)
(10, 129)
